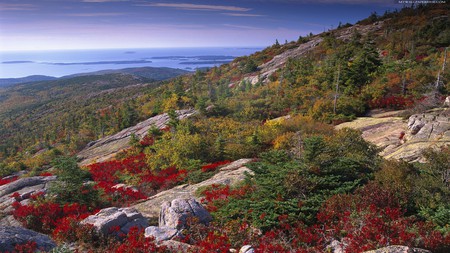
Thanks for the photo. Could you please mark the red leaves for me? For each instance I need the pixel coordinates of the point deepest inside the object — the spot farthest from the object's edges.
(108, 175)
(147, 141)
(373, 218)
(214, 242)
(46, 174)
(8, 180)
(136, 242)
(45, 217)
(218, 195)
(392, 102)
(29, 247)
(214, 166)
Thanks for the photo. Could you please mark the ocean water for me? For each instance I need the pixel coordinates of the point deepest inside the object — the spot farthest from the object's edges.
(61, 63)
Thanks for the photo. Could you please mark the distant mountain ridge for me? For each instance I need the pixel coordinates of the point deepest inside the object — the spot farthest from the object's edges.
(153, 73)
(5, 82)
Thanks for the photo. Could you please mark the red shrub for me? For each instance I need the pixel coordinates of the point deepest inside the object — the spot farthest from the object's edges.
(45, 217)
(8, 180)
(135, 242)
(29, 247)
(147, 141)
(107, 174)
(214, 242)
(218, 195)
(214, 166)
(373, 218)
(46, 174)
(392, 102)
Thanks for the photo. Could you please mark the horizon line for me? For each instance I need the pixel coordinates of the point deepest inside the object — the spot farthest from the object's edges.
(128, 48)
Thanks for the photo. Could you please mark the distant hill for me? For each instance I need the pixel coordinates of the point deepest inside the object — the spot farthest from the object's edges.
(5, 82)
(157, 74)
(39, 109)
(146, 72)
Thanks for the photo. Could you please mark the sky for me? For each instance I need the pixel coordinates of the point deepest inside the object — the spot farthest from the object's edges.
(105, 24)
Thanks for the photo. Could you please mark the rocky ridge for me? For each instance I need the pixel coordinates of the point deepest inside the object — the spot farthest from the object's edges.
(24, 188)
(405, 139)
(270, 67)
(106, 148)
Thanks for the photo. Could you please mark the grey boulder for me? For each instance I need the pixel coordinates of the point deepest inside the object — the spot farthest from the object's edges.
(161, 233)
(398, 249)
(110, 218)
(176, 214)
(12, 236)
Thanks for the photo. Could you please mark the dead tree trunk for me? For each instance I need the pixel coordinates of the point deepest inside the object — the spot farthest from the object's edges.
(336, 94)
(438, 80)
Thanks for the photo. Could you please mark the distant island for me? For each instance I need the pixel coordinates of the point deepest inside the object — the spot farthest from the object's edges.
(98, 62)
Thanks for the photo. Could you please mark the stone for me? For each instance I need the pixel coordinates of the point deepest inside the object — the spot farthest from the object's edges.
(402, 140)
(398, 249)
(336, 247)
(10, 221)
(247, 249)
(161, 233)
(447, 101)
(24, 182)
(175, 214)
(11, 236)
(123, 218)
(176, 246)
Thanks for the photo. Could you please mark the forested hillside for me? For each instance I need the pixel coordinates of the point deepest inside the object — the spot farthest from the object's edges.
(71, 111)
(311, 188)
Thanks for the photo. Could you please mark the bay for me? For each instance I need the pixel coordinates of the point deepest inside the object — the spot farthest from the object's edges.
(68, 62)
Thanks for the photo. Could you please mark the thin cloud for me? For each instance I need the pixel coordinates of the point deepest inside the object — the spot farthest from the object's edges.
(242, 27)
(243, 15)
(17, 7)
(111, 14)
(103, 1)
(197, 7)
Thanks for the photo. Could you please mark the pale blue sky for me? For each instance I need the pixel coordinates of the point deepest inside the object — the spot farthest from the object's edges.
(86, 24)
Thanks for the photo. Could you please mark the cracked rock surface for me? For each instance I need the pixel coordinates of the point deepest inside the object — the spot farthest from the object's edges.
(405, 139)
(12, 236)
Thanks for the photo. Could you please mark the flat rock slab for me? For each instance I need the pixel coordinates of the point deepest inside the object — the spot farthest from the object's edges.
(106, 148)
(405, 139)
(12, 236)
(24, 182)
(398, 249)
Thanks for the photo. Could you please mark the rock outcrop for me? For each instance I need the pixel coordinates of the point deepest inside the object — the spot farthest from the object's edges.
(174, 217)
(175, 214)
(22, 183)
(398, 249)
(270, 67)
(247, 249)
(105, 148)
(12, 236)
(228, 175)
(110, 218)
(24, 187)
(405, 139)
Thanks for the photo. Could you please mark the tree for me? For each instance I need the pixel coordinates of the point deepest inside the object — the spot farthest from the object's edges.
(70, 186)
(362, 69)
(128, 114)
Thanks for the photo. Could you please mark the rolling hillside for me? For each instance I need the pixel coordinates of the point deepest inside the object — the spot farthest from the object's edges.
(254, 141)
